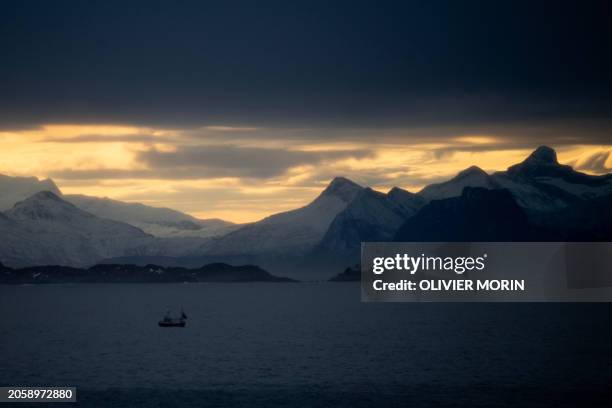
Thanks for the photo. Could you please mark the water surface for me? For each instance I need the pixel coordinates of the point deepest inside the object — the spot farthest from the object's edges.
(267, 344)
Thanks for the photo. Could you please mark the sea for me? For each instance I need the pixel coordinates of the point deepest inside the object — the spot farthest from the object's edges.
(300, 345)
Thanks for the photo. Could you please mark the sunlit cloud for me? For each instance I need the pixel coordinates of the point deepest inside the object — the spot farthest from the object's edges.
(477, 139)
(232, 128)
(244, 173)
(591, 160)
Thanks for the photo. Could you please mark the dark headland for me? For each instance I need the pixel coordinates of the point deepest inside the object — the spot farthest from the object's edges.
(350, 274)
(119, 273)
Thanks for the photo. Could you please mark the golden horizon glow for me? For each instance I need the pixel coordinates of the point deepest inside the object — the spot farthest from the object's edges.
(65, 151)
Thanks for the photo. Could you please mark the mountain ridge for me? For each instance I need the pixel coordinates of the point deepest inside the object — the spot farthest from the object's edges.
(477, 215)
(157, 221)
(109, 273)
(46, 227)
(371, 216)
(295, 231)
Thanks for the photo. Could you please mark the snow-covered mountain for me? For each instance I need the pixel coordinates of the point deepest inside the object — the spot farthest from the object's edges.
(14, 189)
(44, 229)
(371, 216)
(537, 199)
(539, 183)
(160, 222)
(291, 232)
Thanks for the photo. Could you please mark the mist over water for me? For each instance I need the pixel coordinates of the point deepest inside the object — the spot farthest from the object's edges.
(266, 344)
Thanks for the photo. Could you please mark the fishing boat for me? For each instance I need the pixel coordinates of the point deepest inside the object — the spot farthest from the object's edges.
(169, 321)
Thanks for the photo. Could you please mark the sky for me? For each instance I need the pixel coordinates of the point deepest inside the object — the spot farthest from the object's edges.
(238, 110)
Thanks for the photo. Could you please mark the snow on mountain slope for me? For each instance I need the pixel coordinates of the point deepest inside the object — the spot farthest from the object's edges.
(160, 222)
(44, 229)
(16, 244)
(14, 189)
(371, 216)
(471, 177)
(291, 232)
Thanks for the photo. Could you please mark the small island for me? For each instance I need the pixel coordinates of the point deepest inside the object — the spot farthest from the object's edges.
(349, 275)
(121, 273)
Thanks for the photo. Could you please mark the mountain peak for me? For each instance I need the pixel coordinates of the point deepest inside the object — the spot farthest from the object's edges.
(396, 190)
(400, 192)
(541, 163)
(543, 155)
(471, 172)
(44, 205)
(343, 188)
(473, 176)
(341, 181)
(44, 195)
(15, 189)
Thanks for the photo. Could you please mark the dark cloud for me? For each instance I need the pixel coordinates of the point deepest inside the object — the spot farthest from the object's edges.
(200, 162)
(100, 174)
(358, 63)
(447, 152)
(231, 161)
(558, 132)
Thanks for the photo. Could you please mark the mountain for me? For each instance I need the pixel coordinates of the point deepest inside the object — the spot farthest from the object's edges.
(291, 232)
(348, 275)
(44, 229)
(160, 222)
(478, 214)
(494, 215)
(406, 202)
(537, 199)
(371, 216)
(587, 220)
(473, 176)
(528, 202)
(538, 184)
(543, 162)
(14, 189)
